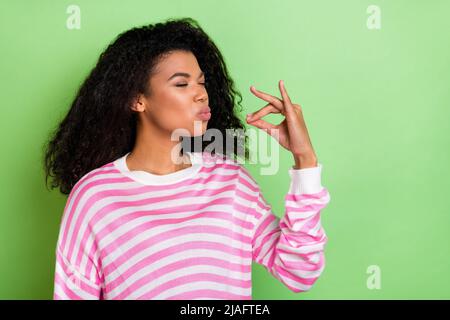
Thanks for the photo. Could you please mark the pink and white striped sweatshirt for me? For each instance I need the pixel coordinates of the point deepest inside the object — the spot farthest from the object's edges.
(191, 234)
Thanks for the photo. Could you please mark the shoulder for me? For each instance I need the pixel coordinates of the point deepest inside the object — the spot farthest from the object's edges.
(96, 178)
(217, 162)
(93, 186)
(226, 164)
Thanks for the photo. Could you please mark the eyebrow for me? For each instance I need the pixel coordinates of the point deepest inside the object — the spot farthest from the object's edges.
(184, 74)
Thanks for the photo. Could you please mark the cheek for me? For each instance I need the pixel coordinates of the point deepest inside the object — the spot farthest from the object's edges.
(177, 103)
(175, 110)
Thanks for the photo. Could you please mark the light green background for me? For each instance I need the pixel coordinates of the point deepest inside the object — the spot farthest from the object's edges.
(376, 103)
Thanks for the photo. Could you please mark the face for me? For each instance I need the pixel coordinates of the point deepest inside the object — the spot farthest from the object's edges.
(177, 95)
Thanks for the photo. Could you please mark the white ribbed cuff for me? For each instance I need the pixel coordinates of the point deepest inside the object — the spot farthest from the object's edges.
(307, 180)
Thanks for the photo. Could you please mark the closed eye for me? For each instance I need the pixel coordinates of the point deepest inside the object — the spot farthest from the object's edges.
(185, 84)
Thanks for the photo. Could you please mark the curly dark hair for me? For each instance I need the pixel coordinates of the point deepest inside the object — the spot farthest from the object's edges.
(101, 126)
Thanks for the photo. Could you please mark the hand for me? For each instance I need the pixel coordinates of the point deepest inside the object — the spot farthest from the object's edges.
(292, 133)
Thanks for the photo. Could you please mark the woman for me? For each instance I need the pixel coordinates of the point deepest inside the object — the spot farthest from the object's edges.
(145, 222)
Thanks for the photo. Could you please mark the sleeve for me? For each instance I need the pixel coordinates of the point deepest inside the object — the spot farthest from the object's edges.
(71, 283)
(292, 249)
(77, 275)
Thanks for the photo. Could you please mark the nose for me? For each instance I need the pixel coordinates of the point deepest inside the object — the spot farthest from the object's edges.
(202, 95)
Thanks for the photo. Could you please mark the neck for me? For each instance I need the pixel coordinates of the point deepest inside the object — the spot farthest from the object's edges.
(152, 152)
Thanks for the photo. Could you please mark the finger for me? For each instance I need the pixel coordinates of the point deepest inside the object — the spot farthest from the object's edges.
(267, 109)
(295, 123)
(287, 101)
(269, 98)
(269, 128)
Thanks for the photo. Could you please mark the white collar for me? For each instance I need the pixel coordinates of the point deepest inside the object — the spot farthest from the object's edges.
(148, 178)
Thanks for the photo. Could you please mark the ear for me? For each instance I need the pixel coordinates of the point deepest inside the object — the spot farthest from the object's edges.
(139, 103)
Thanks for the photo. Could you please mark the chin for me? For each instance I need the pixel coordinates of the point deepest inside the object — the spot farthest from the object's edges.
(199, 128)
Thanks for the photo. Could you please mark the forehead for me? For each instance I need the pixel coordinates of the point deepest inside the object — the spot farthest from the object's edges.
(177, 61)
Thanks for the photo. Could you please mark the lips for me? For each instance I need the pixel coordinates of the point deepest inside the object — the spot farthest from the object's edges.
(204, 113)
(205, 110)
